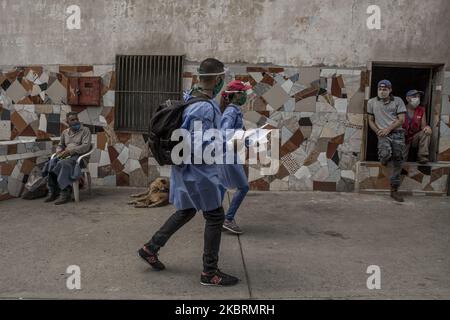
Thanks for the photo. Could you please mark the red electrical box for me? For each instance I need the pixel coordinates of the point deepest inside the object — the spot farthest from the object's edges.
(84, 91)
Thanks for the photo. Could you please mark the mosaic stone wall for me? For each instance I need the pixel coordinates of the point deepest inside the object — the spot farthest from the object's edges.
(444, 131)
(415, 179)
(319, 112)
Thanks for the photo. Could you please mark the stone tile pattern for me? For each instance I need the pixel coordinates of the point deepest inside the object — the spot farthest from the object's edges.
(320, 115)
(18, 160)
(319, 112)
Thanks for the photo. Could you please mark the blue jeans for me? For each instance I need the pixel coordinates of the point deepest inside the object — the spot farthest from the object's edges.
(238, 197)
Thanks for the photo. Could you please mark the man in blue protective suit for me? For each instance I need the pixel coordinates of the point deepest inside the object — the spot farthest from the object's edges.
(195, 187)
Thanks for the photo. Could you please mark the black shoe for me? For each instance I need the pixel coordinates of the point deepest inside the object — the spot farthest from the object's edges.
(151, 258)
(65, 197)
(51, 197)
(218, 278)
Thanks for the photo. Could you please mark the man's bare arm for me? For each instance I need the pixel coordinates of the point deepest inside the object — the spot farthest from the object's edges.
(372, 124)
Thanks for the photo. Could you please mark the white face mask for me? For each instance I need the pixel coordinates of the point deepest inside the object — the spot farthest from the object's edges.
(414, 102)
(383, 94)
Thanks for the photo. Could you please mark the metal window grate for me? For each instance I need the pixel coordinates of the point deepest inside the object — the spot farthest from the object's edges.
(143, 83)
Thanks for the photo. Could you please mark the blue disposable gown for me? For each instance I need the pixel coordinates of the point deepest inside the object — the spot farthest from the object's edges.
(232, 175)
(197, 185)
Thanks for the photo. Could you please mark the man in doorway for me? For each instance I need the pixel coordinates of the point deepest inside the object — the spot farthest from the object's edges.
(386, 117)
(417, 132)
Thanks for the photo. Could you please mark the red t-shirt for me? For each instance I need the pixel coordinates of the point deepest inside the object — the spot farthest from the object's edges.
(413, 125)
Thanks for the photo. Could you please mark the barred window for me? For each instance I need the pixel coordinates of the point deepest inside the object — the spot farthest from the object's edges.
(143, 83)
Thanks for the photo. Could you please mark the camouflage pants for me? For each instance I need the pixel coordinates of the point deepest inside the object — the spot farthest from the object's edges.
(391, 148)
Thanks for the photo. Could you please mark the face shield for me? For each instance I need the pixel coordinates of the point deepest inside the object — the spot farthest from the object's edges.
(225, 72)
(220, 83)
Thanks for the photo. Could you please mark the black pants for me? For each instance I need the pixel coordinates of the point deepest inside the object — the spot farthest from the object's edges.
(212, 235)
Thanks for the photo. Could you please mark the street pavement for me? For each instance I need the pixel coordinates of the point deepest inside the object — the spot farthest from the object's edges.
(296, 245)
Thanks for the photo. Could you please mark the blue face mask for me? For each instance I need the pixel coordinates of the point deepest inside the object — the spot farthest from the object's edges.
(75, 126)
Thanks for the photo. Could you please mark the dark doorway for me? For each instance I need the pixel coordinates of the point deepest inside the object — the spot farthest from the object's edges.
(403, 79)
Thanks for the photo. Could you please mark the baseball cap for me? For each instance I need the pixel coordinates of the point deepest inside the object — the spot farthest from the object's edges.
(413, 92)
(385, 83)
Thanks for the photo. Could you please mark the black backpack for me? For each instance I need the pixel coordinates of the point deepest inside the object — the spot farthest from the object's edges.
(168, 117)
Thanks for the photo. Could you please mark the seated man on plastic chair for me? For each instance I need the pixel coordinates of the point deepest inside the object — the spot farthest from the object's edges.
(61, 169)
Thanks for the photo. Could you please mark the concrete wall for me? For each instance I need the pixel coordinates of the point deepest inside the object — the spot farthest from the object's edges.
(283, 32)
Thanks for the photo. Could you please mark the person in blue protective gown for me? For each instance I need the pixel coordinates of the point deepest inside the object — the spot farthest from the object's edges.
(195, 187)
(233, 175)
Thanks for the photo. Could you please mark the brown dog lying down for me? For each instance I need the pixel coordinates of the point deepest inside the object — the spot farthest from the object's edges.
(157, 195)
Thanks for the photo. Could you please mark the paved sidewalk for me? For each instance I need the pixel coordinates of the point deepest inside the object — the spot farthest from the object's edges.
(295, 246)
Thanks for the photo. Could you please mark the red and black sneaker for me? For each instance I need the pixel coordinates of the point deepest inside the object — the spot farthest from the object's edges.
(151, 258)
(217, 278)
